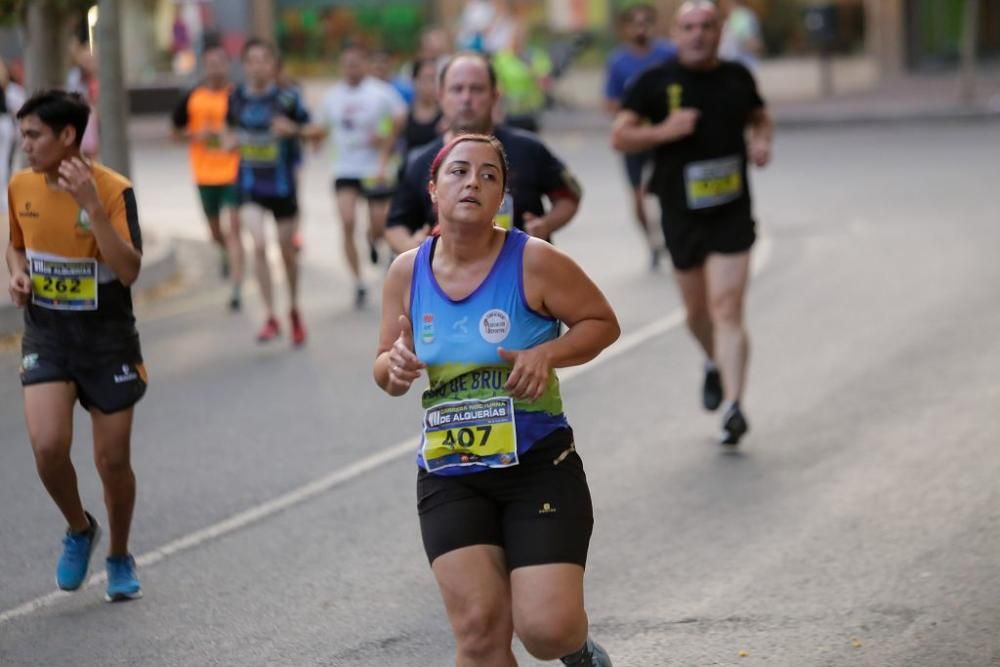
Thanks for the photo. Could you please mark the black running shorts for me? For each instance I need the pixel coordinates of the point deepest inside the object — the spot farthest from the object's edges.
(538, 511)
(691, 240)
(373, 192)
(109, 380)
(284, 209)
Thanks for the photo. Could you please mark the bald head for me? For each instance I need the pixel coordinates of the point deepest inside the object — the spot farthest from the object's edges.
(697, 5)
(696, 32)
(467, 93)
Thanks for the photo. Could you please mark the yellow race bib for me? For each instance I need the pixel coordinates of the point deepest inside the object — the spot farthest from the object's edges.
(711, 183)
(259, 150)
(474, 432)
(64, 284)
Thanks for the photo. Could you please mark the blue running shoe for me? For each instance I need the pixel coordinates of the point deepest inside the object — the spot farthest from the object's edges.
(77, 548)
(591, 655)
(122, 582)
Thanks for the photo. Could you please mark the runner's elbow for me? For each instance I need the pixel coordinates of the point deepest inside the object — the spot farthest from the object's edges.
(129, 274)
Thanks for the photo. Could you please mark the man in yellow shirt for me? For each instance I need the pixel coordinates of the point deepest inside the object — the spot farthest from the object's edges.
(75, 248)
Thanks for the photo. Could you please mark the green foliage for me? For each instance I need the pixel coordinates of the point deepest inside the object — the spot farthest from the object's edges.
(12, 11)
(782, 28)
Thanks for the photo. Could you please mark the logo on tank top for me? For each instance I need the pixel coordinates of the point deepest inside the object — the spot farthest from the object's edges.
(427, 329)
(494, 325)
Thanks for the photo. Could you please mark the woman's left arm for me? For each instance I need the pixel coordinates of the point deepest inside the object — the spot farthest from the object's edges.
(556, 285)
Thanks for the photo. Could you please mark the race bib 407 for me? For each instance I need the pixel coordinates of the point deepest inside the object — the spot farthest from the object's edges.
(471, 432)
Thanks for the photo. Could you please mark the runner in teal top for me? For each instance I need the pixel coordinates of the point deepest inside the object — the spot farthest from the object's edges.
(505, 509)
(458, 341)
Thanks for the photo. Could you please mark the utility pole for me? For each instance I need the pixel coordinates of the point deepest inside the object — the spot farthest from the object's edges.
(45, 56)
(113, 96)
(970, 32)
(262, 19)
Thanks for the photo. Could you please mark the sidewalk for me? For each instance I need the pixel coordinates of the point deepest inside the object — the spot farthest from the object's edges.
(927, 97)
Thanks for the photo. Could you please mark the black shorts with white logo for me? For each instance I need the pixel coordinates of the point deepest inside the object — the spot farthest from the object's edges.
(538, 512)
(109, 380)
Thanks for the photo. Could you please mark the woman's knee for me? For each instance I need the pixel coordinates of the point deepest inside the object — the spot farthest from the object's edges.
(482, 630)
(549, 634)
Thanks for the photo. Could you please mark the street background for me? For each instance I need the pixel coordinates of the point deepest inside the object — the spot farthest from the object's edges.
(858, 524)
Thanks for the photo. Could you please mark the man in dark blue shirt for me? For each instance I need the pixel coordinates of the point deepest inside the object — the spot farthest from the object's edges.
(468, 94)
(639, 52)
(265, 122)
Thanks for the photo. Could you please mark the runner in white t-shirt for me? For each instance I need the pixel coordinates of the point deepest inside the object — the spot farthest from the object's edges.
(363, 116)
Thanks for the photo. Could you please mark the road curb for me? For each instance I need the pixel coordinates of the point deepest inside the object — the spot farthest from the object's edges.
(159, 264)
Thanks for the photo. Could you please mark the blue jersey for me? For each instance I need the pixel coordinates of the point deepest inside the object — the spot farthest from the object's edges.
(267, 162)
(458, 342)
(624, 65)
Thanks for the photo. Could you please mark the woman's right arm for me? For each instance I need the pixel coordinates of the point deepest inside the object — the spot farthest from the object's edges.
(396, 364)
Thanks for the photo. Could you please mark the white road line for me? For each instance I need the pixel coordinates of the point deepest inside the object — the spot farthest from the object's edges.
(341, 476)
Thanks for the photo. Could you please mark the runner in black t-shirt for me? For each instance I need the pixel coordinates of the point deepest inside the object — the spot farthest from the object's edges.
(695, 111)
(468, 94)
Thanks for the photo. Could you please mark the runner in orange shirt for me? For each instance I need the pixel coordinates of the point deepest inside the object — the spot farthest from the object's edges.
(200, 118)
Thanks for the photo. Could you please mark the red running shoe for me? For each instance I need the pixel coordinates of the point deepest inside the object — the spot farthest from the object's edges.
(298, 329)
(269, 331)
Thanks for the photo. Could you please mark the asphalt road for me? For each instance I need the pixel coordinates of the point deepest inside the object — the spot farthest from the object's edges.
(859, 524)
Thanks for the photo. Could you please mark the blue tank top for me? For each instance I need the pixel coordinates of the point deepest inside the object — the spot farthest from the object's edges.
(458, 341)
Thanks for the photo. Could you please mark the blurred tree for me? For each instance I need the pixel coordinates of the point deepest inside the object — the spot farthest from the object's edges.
(47, 26)
(970, 31)
(113, 98)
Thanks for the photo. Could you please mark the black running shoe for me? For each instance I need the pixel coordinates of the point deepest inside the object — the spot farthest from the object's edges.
(734, 426)
(372, 252)
(360, 297)
(591, 655)
(711, 391)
